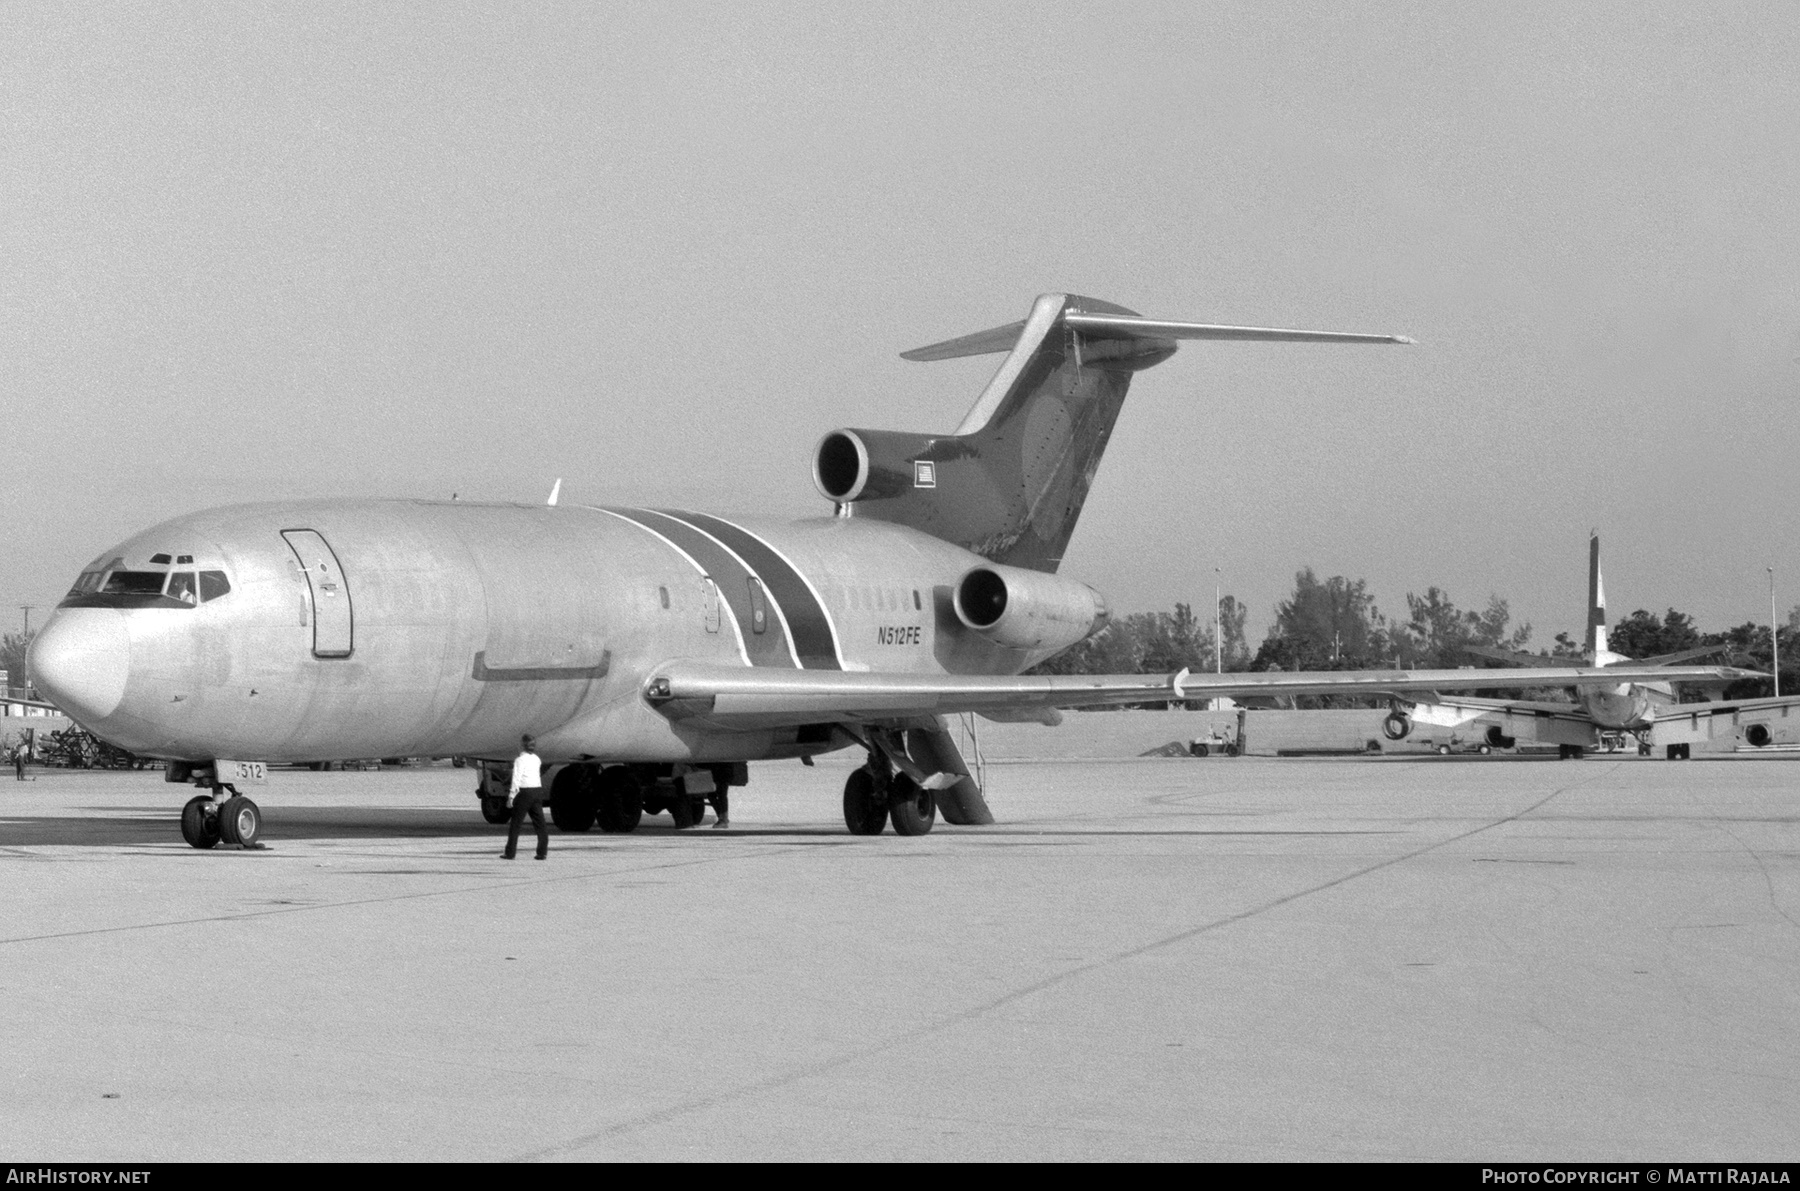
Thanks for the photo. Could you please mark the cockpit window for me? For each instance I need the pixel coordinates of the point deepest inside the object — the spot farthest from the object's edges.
(162, 559)
(112, 586)
(134, 583)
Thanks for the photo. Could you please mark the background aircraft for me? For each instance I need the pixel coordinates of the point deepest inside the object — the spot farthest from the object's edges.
(1648, 710)
(654, 652)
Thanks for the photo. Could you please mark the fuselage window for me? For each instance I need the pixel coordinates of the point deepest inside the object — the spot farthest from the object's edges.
(135, 583)
(917, 606)
(663, 594)
(213, 584)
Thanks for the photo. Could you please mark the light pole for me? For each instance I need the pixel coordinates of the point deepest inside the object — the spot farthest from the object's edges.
(28, 608)
(1774, 636)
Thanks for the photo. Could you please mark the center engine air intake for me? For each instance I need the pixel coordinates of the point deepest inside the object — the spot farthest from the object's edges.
(864, 465)
(1023, 609)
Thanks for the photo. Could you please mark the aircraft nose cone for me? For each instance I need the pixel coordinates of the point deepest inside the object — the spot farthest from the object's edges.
(80, 660)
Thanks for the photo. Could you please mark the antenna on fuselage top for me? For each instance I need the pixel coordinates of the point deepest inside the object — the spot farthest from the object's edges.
(555, 491)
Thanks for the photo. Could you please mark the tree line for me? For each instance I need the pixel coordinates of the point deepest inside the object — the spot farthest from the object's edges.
(1334, 624)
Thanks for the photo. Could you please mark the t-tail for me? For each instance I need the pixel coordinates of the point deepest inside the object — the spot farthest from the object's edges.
(1010, 482)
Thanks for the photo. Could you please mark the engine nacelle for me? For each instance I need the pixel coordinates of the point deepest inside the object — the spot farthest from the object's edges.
(851, 465)
(1023, 609)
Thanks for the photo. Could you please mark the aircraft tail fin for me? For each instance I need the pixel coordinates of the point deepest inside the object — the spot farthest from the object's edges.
(1596, 618)
(1010, 482)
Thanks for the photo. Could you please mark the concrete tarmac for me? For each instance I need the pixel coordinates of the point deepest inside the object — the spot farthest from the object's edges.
(1163, 959)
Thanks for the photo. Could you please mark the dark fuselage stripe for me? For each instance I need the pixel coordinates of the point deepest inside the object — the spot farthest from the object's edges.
(767, 648)
(807, 619)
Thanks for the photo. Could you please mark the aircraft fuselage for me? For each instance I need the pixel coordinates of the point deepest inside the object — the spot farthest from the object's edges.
(418, 628)
(1627, 707)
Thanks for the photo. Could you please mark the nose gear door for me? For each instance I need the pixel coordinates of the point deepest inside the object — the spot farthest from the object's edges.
(333, 622)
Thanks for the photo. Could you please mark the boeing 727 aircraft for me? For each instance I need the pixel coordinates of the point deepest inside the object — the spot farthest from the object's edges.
(653, 653)
(1646, 710)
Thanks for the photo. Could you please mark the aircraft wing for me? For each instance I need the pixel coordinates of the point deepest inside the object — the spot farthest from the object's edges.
(762, 697)
(1682, 723)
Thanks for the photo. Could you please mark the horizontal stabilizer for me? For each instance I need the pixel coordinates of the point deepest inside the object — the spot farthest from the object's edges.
(981, 343)
(1123, 326)
(1117, 326)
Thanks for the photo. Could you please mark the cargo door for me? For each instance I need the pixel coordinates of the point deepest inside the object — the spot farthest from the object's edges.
(333, 623)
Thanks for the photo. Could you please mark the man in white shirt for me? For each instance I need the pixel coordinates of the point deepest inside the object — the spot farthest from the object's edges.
(526, 797)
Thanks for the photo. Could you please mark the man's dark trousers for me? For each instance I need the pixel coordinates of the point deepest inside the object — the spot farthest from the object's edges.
(529, 800)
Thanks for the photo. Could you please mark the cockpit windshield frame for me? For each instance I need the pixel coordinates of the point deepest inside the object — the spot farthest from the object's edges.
(159, 584)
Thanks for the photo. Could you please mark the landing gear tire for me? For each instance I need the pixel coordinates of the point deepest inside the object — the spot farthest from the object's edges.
(240, 821)
(198, 828)
(495, 811)
(864, 812)
(573, 802)
(912, 807)
(621, 799)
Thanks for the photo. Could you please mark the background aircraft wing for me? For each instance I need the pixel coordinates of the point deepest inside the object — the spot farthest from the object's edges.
(1685, 655)
(1510, 657)
(761, 697)
(50, 707)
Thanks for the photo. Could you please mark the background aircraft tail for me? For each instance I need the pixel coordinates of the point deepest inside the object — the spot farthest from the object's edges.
(1596, 619)
(1010, 483)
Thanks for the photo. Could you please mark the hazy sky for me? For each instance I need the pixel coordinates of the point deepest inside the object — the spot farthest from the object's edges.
(261, 251)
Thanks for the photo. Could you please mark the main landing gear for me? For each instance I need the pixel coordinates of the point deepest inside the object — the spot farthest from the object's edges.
(210, 819)
(873, 796)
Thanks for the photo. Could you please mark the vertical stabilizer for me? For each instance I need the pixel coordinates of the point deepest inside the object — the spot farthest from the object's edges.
(1010, 483)
(1596, 619)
